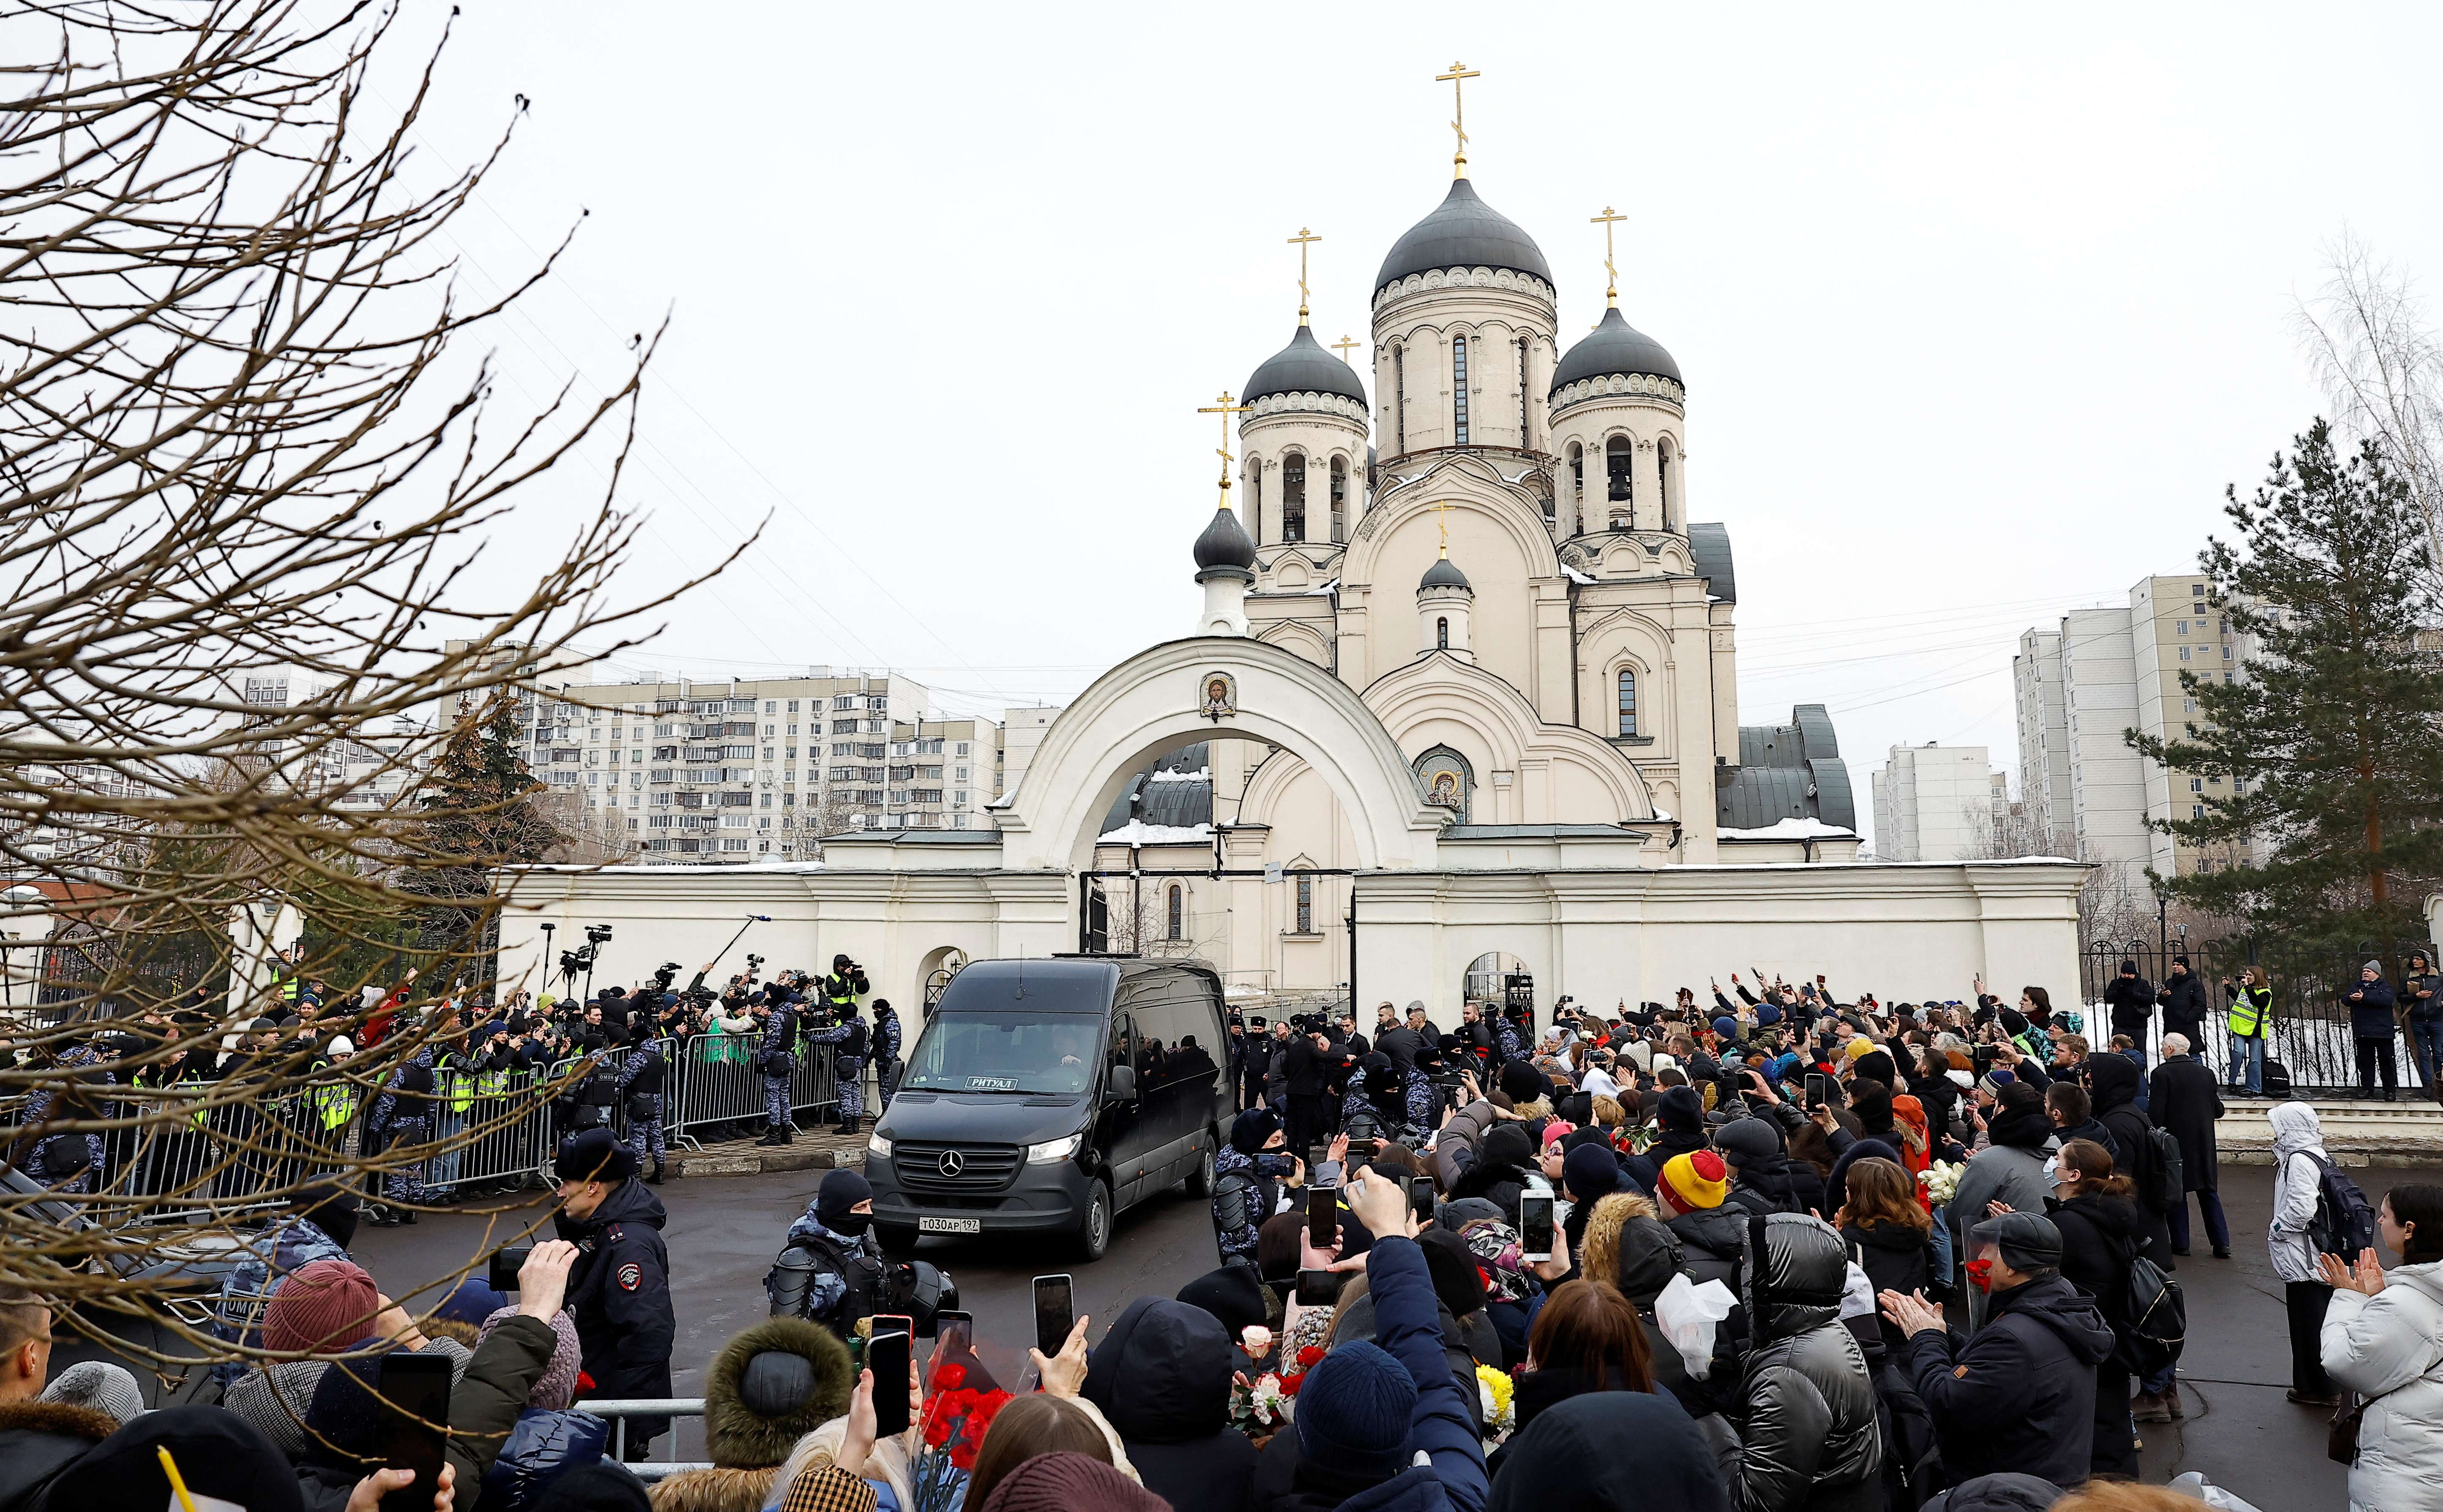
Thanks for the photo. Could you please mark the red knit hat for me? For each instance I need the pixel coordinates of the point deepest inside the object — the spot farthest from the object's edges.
(328, 1304)
(1697, 1180)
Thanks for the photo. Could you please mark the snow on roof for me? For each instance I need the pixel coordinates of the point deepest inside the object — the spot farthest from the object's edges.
(1137, 832)
(1202, 774)
(1790, 829)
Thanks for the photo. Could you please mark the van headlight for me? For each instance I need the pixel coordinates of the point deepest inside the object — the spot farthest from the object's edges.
(876, 1145)
(1053, 1151)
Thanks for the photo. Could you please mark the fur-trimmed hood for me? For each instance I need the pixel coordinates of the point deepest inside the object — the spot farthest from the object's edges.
(39, 1439)
(738, 1436)
(1533, 1109)
(65, 1419)
(715, 1489)
(1641, 1269)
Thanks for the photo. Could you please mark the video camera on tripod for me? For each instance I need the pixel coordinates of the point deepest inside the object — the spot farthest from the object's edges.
(580, 960)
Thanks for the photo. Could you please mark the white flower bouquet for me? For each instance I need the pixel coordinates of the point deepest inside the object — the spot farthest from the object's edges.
(1941, 1180)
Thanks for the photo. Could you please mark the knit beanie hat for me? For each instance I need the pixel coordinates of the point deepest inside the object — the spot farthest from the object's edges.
(1681, 1111)
(472, 1301)
(1697, 1179)
(326, 1305)
(1507, 1144)
(2376, 967)
(1353, 1411)
(1234, 1294)
(557, 1386)
(1745, 1139)
(2028, 1242)
(1069, 1482)
(1249, 1131)
(1727, 1028)
(1855, 1048)
(100, 1384)
(1522, 1082)
(1591, 1171)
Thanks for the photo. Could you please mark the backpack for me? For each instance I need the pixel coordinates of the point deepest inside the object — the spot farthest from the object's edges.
(2155, 1318)
(2344, 1220)
(2170, 1188)
(2277, 1079)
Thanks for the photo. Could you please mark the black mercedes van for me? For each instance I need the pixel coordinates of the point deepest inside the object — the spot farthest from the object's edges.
(1046, 1096)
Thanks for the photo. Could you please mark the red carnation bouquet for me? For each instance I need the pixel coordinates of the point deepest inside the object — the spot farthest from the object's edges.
(957, 1417)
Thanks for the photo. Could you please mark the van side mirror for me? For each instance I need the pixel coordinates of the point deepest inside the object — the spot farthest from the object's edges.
(1120, 1084)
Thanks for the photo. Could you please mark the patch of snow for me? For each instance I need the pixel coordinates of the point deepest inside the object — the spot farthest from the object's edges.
(1662, 814)
(1137, 832)
(1240, 989)
(1202, 774)
(1576, 576)
(1790, 829)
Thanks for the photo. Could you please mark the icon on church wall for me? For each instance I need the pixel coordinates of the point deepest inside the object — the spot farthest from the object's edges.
(1445, 793)
(1221, 695)
(1443, 776)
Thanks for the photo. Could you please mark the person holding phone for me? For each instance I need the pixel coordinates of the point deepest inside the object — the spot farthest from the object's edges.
(1248, 1177)
(619, 1292)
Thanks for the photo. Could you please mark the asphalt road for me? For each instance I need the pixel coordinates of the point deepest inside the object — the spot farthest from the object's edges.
(724, 1233)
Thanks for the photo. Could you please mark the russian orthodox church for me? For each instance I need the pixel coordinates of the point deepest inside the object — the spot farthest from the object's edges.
(1494, 550)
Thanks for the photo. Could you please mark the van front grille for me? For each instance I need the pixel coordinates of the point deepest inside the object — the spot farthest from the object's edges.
(972, 1168)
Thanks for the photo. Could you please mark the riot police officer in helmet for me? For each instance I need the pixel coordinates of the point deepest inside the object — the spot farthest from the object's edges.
(833, 1272)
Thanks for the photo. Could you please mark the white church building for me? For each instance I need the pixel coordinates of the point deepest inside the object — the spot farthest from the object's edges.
(1458, 710)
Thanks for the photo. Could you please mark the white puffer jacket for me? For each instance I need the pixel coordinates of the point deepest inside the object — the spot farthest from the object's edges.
(2389, 1348)
(2298, 1139)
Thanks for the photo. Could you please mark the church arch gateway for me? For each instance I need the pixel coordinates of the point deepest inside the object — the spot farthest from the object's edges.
(1159, 699)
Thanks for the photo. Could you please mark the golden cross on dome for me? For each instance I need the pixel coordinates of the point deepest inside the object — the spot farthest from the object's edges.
(1342, 346)
(1459, 112)
(1442, 518)
(1224, 408)
(1300, 242)
(1611, 276)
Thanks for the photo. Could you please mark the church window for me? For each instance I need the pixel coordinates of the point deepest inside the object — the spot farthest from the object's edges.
(1522, 393)
(1441, 634)
(1664, 495)
(1293, 497)
(1616, 463)
(1627, 701)
(1577, 478)
(1339, 498)
(1306, 905)
(1178, 909)
(1399, 400)
(1551, 517)
(1256, 497)
(1458, 391)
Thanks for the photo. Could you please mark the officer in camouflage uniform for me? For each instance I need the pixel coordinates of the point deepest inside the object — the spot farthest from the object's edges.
(641, 1083)
(776, 1058)
(886, 1052)
(402, 1115)
(848, 1041)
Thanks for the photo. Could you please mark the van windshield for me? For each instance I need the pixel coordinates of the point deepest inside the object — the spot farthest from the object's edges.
(1005, 1051)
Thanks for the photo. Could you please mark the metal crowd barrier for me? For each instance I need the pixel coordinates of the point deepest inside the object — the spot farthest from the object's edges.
(622, 1408)
(717, 1083)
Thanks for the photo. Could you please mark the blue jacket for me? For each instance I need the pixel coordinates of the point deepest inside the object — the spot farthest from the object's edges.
(1445, 1421)
(542, 1446)
(2371, 1015)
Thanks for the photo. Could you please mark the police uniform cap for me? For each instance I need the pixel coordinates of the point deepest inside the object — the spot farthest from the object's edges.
(594, 1154)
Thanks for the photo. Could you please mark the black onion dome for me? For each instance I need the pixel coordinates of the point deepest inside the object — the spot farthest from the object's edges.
(1303, 367)
(1464, 231)
(1614, 346)
(1445, 573)
(1225, 544)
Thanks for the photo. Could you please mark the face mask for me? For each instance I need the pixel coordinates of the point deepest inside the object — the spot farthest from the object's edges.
(852, 1226)
(1980, 1275)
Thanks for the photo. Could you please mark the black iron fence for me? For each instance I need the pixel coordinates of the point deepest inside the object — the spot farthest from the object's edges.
(2310, 1029)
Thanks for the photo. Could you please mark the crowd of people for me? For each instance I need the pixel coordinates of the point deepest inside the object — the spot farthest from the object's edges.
(1774, 1251)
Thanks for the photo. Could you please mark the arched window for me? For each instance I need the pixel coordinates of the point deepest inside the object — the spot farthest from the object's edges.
(1441, 634)
(1663, 494)
(1399, 400)
(1178, 911)
(1577, 480)
(1627, 702)
(1292, 496)
(1551, 515)
(1616, 462)
(1458, 391)
(1256, 498)
(1522, 393)
(1306, 905)
(1339, 498)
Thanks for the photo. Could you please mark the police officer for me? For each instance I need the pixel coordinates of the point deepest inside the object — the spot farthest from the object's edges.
(832, 1272)
(886, 1052)
(641, 1081)
(846, 1038)
(619, 1289)
(776, 1058)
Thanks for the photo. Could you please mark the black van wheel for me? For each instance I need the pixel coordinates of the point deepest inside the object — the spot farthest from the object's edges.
(1200, 1182)
(896, 1239)
(1094, 1230)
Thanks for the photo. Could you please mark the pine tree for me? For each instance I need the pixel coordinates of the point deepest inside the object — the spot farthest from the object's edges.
(2328, 749)
(476, 812)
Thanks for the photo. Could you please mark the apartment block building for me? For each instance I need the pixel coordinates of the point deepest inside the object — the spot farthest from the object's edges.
(2117, 670)
(1934, 802)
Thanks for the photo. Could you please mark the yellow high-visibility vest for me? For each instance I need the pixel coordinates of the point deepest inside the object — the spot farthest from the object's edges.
(2249, 1011)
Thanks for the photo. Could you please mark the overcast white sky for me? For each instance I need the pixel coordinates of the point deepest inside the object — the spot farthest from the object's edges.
(1978, 309)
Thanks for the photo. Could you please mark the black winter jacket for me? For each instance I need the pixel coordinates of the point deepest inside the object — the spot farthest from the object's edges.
(2096, 1234)
(1810, 1440)
(1161, 1378)
(2187, 1100)
(619, 1295)
(2185, 1004)
(2020, 1395)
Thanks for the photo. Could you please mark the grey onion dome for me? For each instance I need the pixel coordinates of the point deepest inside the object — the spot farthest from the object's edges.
(1614, 346)
(1303, 367)
(1225, 544)
(1445, 573)
(1464, 231)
